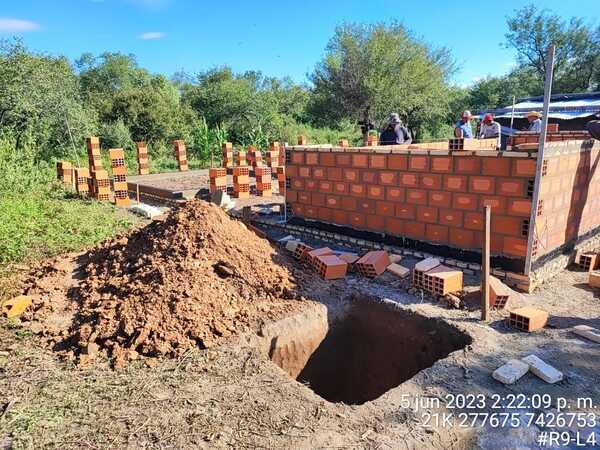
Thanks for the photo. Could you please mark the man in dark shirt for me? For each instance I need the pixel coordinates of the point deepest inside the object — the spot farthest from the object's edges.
(395, 133)
(594, 129)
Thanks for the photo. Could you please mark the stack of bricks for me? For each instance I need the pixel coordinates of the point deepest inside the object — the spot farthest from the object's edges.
(119, 171)
(530, 137)
(94, 156)
(101, 185)
(273, 155)
(227, 152)
(142, 158)
(302, 140)
(472, 144)
(218, 179)
(240, 158)
(343, 143)
(180, 155)
(372, 140)
(254, 157)
(241, 182)
(82, 177)
(64, 172)
(281, 179)
(263, 181)
(414, 194)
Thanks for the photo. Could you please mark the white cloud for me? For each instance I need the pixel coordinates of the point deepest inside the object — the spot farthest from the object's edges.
(10, 25)
(152, 35)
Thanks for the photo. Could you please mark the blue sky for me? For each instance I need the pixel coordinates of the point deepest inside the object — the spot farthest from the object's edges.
(278, 38)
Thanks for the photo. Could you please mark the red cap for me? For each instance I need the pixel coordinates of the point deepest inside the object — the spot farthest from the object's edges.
(488, 118)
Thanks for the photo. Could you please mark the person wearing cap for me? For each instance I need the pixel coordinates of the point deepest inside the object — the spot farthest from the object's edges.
(535, 121)
(395, 132)
(463, 129)
(490, 129)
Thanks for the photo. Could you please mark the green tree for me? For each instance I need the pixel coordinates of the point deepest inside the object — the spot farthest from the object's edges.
(370, 71)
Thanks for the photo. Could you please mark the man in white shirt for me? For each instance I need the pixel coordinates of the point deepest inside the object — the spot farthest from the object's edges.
(490, 129)
(535, 122)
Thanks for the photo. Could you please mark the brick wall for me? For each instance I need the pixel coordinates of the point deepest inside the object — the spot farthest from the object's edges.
(435, 196)
(569, 198)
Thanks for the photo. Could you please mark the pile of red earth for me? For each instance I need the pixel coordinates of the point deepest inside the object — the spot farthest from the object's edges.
(186, 281)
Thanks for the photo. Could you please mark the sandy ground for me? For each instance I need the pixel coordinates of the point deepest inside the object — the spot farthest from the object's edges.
(232, 396)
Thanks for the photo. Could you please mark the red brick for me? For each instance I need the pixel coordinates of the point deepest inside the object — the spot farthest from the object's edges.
(498, 204)
(291, 196)
(304, 172)
(436, 233)
(497, 167)
(408, 180)
(343, 159)
(440, 199)
(464, 201)
(377, 161)
(298, 209)
(441, 164)
(326, 186)
(451, 217)
(311, 185)
(415, 230)
(298, 184)
(349, 203)
(385, 208)
(510, 226)
(467, 164)
(388, 178)
(351, 175)
(327, 159)
(318, 199)
(523, 167)
(325, 214)
(427, 214)
(291, 171)
(375, 223)
(511, 187)
(394, 194)
(462, 238)
(394, 226)
(519, 207)
(474, 221)
(360, 160)
(397, 162)
(482, 185)
(333, 201)
(297, 157)
(358, 190)
(418, 163)
(416, 196)
(496, 242)
(369, 176)
(455, 183)
(319, 173)
(304, 197)
(311, 212)
(366, 206)
(376, 191)
(514, 246)
(340, 188)
(404, 211)
(431, 181)
(340, 217)
(334, 173)
(357, 220)
(312, 158)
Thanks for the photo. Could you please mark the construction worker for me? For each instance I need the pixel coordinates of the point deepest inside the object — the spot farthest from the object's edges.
(594, 129)
(535, 121)
(395, 132)
(462, 129)
(490, 129)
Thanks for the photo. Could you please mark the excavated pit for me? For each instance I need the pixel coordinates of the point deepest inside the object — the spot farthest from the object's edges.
(360, 354)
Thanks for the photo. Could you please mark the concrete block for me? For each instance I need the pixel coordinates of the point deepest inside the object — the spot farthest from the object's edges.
(148, 211)
(543, 370)
(593, 334)
(394, 258)
(427, 264)
(398, 270)
(510, 372)
(291, 245)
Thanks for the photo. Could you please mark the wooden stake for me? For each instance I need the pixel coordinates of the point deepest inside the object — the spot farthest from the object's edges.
(485, 267)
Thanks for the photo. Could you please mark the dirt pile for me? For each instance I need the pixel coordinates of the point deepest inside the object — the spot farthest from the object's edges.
(189, 280)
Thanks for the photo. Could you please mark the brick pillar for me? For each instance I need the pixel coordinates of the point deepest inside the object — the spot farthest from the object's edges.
(302, 140)
(101, 185)
(119, 170)
(263, 181)
(240, 158)
(281, 179)
(372, 141)
(273, 155)
(227, 151)
(343, 143)
(180, 155)
(64, 172)
(94, 157)
(254, 157)
(142, 158)
(218, 179)
(82, 176)
(241, 182)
